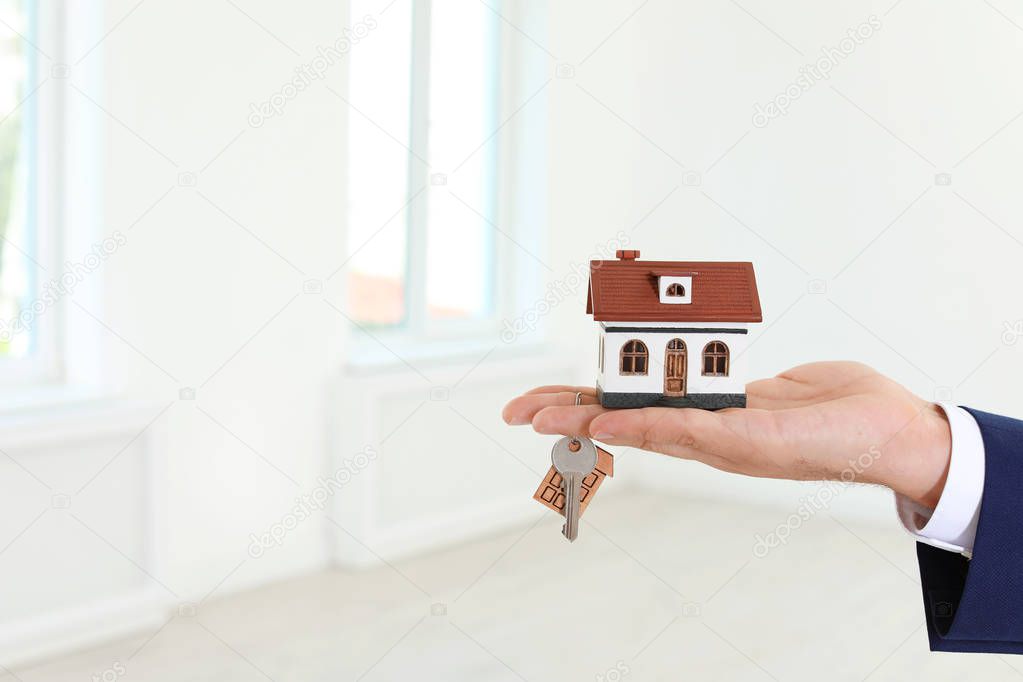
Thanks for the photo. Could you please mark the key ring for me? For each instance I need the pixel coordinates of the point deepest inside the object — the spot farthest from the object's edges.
(575, 445)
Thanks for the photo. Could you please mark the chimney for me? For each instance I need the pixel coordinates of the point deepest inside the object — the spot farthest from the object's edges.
(627, 254)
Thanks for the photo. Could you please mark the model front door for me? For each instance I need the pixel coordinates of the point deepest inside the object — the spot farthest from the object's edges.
(675, 368)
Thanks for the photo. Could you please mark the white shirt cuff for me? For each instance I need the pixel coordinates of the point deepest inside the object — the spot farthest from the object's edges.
(952, 524)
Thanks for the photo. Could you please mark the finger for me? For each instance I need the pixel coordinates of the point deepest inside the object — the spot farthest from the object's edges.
(685, 434)
(806, 384)
(778, 394)
(521, 410)
(568, 421)
(782, 393)
(828, 372)
(683, 427)
(719, 439)
(561, 388)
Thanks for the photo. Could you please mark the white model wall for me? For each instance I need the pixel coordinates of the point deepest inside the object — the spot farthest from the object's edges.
(656, 343)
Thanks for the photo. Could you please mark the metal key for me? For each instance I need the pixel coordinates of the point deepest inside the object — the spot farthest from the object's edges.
(574, 457)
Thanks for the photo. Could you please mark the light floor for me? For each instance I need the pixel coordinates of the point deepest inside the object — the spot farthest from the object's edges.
(656, 588)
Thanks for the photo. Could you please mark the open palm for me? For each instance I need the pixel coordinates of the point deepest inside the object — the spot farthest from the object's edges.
(825, 420)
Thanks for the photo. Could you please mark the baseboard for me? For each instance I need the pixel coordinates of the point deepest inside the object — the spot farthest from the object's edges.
(42, 637)
(409, 540)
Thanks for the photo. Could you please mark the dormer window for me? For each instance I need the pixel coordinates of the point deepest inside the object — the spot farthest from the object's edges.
(675, 288)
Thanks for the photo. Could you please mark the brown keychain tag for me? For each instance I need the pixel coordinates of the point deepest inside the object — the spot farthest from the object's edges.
(551, 495)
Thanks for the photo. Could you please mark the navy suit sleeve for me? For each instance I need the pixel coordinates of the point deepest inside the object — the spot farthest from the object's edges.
(977, 605)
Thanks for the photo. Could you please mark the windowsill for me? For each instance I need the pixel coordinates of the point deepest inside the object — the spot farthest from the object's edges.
(467, 341)
(513, 365)
(46, 396)
(62, 413)
(55, 403)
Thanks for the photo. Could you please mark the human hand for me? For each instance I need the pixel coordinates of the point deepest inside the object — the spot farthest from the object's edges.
(821, 421)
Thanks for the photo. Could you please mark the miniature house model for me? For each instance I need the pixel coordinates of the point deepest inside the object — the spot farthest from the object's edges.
(672, 333)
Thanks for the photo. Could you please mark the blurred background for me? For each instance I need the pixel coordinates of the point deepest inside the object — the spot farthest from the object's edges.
(269, 271)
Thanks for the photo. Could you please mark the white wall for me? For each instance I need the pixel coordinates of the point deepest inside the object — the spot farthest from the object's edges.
(210, 285)
(656, 342)
(224, 223)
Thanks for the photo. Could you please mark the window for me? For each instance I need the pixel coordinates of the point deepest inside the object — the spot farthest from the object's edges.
(48, 168)
(715, 359)
(423, 99)
(27, 327)
(17, 275)
(675, 289)
(634, 358)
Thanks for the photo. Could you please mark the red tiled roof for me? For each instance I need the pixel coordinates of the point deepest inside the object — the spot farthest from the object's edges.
(626, 291)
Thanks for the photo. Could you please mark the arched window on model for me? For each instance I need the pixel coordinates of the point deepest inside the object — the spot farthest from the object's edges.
(675, 289)
(633, 358)
(715, 359)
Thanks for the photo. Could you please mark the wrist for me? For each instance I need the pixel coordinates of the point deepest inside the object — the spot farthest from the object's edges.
(926, 466)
